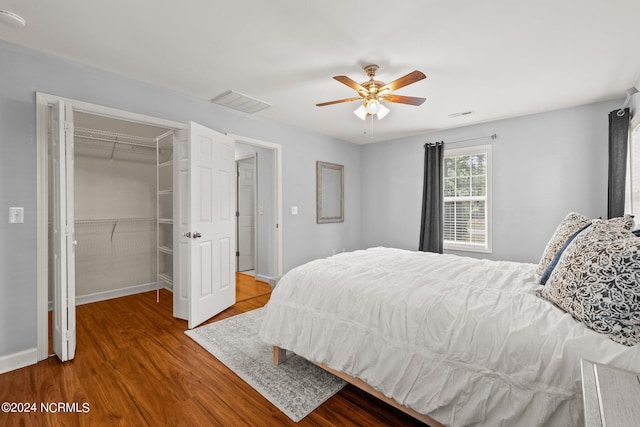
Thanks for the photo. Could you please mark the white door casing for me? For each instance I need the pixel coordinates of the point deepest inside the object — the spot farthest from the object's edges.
(212, 223)
(246, 213)
(63, 230)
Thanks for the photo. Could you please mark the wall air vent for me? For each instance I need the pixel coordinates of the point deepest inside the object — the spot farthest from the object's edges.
(240, 102)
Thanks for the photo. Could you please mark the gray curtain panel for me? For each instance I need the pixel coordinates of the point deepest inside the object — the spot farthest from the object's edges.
(618, 142)
(431, 225)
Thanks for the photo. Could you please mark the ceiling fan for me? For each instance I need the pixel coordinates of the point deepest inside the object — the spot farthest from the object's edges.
(373, 93)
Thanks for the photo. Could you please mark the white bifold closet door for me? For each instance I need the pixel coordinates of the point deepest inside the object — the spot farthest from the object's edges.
(206, 224)
(63, 230)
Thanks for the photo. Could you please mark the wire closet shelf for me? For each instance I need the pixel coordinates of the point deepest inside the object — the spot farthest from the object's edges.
(114, 137)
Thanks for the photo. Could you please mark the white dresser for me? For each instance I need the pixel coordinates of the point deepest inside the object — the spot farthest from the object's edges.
(611, 396)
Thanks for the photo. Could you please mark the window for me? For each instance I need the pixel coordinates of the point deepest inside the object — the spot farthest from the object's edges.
(467, 188)
(632, 200)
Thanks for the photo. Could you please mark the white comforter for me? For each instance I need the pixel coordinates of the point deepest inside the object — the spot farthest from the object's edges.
(463, 340)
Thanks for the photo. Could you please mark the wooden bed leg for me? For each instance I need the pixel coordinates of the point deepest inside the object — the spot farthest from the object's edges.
(279, 355)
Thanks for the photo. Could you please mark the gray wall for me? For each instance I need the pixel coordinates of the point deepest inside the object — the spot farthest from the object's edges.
(17, 241)
(544, 166)
(24, 72)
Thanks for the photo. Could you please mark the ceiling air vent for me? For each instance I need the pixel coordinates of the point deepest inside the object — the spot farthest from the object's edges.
(461, 113)
(240, 102)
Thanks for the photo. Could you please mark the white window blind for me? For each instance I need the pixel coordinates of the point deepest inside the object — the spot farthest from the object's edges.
(466, 199)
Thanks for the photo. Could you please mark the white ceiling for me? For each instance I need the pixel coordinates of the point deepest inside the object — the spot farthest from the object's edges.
(497, 58)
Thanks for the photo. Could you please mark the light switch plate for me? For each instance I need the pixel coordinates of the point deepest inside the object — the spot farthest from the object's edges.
(16, 215)
(294, 210)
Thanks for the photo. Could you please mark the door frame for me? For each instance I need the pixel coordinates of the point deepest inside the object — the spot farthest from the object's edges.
(277, 185)
(43, 100)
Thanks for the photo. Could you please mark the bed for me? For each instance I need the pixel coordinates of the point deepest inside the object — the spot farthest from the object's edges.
(461, 340)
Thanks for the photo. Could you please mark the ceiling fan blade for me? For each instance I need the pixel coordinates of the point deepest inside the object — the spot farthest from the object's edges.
(403, 81)
(338, 101)
(352, 84)
(411, 100)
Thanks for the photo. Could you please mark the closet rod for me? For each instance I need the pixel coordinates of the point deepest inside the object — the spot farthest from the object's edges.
(115, 222)
(135, 144)
(109, 220)
(113, 135)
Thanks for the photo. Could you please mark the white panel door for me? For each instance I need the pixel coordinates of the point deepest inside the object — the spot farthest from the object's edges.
(246, 214)
(63, 230)
(212, 223)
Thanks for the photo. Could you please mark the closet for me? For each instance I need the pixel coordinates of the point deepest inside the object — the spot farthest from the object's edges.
(132, 207)
(123, 190)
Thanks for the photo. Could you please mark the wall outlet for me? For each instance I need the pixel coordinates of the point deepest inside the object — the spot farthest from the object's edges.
(16, 215)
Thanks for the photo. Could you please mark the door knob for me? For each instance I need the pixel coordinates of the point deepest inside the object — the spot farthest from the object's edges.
(187, 234)
(196, 235)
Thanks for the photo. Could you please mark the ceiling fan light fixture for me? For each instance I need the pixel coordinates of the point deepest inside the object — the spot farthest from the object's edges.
(373, 93)
(382, 112)
(373, 106)
(361, 112)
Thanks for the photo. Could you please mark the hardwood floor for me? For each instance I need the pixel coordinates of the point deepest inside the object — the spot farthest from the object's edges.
(134, 366)
(248, 287)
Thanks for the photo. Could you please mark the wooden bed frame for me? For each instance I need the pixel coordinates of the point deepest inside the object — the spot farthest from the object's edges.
(280, 355)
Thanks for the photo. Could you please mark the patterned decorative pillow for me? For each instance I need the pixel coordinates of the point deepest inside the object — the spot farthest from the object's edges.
(568, 227)
(552, 265)
(625, 222)
(597, 281)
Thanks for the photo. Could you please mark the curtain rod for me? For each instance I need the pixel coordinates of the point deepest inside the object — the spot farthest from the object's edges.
(492, 136)
(630, 93)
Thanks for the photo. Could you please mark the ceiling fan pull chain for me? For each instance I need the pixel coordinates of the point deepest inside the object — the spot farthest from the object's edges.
(372, 135)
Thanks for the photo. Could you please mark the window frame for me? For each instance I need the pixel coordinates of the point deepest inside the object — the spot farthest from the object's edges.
(631, 179)
(472, 247)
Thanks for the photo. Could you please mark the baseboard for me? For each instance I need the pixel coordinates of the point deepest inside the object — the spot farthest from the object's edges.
(18, 360)
(115, 293)
(268, 279)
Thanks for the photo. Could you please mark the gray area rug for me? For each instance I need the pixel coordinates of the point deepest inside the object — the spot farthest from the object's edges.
(296, 387)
